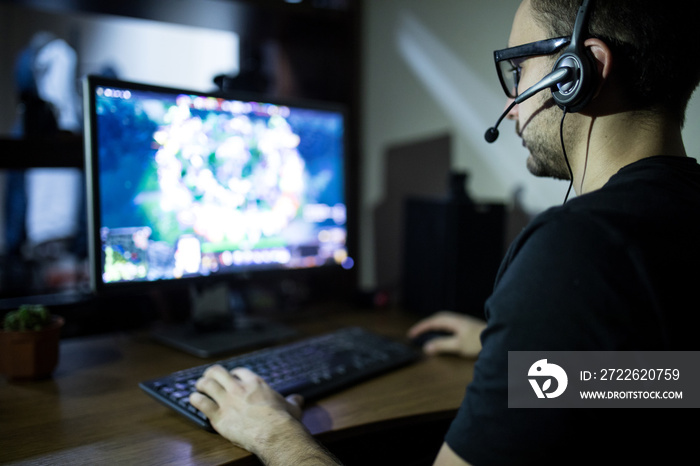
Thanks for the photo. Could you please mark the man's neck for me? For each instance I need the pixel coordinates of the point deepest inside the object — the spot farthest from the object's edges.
(608, 143)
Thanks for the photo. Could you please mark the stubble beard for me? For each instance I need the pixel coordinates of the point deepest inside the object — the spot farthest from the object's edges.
(542, 139)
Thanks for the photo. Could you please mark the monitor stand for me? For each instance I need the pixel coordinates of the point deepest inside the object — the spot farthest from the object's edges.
(220, 326)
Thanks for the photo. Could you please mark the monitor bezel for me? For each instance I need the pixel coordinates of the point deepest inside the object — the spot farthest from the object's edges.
(100, 288)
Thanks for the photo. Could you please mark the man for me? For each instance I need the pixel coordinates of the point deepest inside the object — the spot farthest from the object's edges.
(611, 270)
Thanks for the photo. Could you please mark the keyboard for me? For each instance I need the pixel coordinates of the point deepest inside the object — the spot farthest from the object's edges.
(312, 367)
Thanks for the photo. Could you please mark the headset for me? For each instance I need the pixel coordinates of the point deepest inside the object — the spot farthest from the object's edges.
(573, 96)
(572, 79)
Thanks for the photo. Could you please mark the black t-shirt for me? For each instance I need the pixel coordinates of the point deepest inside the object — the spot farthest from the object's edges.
(612, 270)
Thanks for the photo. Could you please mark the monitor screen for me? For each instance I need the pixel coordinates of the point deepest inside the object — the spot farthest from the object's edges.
(186, 185)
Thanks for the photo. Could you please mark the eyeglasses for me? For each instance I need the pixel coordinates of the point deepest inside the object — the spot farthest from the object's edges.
(508, 61)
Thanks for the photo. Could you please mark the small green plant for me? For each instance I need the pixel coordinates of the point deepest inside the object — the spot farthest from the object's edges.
(27, 317)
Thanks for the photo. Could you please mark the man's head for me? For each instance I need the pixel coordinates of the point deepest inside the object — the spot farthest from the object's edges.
(638, 62)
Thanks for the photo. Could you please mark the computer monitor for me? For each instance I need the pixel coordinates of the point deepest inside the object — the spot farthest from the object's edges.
(195, 189)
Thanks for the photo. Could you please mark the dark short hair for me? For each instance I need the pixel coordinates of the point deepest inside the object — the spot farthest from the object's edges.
(652, 42)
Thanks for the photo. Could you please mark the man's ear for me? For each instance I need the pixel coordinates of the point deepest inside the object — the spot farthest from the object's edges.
(603, 61)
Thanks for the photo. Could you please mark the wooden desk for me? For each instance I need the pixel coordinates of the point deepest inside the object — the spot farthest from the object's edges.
(92, 411)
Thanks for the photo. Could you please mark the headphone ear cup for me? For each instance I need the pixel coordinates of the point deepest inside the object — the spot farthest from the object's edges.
(575, 95)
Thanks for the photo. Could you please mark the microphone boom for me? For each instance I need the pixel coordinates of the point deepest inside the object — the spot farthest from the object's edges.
(559, 76)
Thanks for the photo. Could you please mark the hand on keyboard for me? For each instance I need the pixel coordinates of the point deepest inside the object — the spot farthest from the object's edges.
(243, 397)
(312, 367)
(237, 401)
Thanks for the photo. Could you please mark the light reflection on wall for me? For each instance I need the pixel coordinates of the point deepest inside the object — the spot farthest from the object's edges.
(155, 52)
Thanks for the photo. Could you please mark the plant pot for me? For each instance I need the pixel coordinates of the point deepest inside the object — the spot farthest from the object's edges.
(31, 354)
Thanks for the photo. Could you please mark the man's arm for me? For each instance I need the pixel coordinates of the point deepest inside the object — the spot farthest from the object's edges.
(243, 408)
(446, 457)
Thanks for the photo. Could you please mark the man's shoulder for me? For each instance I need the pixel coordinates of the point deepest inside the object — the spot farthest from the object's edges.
(638, 200)
(660, 182)
(566, 227)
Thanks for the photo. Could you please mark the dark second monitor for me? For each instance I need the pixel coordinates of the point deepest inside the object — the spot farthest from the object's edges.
(192, 188)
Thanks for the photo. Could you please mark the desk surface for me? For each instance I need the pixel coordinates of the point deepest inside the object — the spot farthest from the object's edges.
(93, 411)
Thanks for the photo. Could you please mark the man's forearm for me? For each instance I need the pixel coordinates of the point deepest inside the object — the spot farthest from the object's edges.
(295, 446)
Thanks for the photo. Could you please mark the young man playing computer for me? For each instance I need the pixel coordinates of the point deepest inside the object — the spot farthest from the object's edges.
(611, 270)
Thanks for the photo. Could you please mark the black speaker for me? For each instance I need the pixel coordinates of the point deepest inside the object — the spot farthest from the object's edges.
(452, 251)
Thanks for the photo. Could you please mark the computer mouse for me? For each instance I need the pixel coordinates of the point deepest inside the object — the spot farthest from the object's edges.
(422, 338)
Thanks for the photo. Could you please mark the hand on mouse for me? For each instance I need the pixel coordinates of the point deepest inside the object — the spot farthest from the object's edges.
(462, 338)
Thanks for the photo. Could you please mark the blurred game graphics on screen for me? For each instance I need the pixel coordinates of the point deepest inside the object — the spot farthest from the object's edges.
(191, 187)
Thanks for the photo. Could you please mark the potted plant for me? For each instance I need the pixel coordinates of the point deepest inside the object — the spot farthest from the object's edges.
(29, 342)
